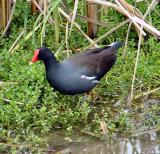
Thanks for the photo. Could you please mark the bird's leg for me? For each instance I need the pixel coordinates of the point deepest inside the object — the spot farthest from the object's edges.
(89, 96)
(92, 96)
(86, 97)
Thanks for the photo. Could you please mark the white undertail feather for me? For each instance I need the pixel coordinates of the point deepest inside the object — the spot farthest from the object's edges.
(95, 81)
(111, 44)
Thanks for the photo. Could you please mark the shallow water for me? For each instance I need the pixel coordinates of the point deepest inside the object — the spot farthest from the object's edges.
(145, 143)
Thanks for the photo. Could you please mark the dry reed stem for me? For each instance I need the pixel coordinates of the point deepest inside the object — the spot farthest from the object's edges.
(137, 21)
(74, 15)
(56, 25)
(114, 6)
(155, 3)
(50, 20)
(19, 36)
(65, 5)
(126, 41)
(3, 13)
(44, 16)
(147, 93)
(140, 95)
(9, 21)
(66, 38)
(137, 57)
(108, 4)
(128, 31)
(109, 32)
(133, 11)
(26, 38)
(37, 5)
(8, 101)
(150, 8)
(139, 16)
(104, 128)
(77, 26)
(100, 23)
(62, 44)
(135, 68)
(130, 16)
(147, 27)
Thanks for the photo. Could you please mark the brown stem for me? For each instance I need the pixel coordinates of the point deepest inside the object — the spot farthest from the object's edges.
(10, 19)
(33, 8)
(92, 12)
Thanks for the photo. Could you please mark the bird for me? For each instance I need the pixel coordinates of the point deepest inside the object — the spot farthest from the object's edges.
(79, 73)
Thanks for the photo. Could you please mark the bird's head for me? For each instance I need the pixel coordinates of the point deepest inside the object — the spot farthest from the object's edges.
(42, 53)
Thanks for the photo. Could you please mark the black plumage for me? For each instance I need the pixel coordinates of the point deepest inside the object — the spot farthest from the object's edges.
(79, 73)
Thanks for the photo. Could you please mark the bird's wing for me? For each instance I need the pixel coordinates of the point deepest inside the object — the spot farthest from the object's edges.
(95, 63)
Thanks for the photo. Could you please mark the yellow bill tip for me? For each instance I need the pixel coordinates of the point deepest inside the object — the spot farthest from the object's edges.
(30, 63)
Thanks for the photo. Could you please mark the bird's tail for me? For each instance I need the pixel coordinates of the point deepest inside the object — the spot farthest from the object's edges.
(115, 46)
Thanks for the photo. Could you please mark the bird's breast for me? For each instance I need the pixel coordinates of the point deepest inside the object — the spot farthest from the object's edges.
(70, 82)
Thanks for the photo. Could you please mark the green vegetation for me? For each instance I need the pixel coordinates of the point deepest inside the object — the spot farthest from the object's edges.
(29, 106)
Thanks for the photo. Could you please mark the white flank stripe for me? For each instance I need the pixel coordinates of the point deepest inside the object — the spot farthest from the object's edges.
(88, 77)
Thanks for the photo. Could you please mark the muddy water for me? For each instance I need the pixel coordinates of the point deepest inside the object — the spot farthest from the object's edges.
(145, 143)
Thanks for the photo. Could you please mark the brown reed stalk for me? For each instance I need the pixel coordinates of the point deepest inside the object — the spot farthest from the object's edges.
(77, 26)
(33, 7)
(9, 20)
(92, 12)
(4, 20)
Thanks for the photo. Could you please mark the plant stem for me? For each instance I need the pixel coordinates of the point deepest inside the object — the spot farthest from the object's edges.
(56, 22)
(77, 26)
(9, 21)
(106, 34)
(138, 53)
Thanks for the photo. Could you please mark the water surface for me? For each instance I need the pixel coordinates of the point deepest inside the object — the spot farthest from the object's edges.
(144, 143)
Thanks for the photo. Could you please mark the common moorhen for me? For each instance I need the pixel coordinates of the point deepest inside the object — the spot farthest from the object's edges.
(79, 73)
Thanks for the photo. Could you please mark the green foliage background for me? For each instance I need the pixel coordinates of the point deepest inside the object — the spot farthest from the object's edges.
(35, 108)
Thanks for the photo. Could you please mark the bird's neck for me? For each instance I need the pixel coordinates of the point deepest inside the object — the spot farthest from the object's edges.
(50, 63)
